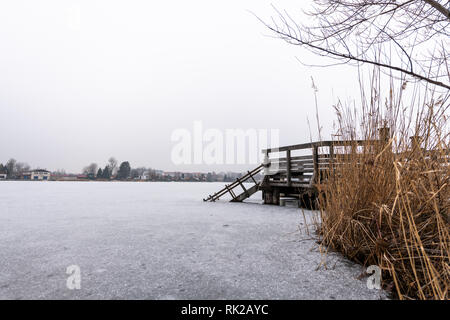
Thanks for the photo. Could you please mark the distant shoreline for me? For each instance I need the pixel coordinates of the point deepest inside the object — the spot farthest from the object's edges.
(137, 181)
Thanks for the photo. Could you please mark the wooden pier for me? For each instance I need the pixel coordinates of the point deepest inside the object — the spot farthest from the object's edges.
(290, 171)
(296, 171)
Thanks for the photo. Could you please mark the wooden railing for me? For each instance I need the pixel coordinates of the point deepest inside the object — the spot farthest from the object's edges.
(304, 170)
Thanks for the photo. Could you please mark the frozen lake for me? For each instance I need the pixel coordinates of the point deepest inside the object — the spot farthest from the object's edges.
(160, 241)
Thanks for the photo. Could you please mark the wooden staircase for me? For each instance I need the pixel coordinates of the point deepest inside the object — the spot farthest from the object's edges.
(239, 182)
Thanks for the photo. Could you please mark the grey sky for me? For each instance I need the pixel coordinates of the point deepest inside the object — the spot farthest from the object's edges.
(81, 81)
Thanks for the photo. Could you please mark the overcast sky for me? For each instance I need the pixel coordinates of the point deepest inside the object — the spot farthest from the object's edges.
(81, 81)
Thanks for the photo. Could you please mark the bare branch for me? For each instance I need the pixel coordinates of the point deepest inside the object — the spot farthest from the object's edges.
(439, 7)
(364, 31)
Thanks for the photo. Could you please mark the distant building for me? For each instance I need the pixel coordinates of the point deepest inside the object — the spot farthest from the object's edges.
(173, 174)
(3, 173)
(144, 176)
(37, 175)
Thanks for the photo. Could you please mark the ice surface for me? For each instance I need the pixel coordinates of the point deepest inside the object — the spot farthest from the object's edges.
(160, 241)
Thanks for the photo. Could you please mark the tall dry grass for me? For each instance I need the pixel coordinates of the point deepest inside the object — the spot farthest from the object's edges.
(387, 203)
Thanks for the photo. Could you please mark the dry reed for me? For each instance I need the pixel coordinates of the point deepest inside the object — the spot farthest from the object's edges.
(386, 202)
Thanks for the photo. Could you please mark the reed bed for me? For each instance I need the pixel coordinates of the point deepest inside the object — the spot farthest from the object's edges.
(386, 203)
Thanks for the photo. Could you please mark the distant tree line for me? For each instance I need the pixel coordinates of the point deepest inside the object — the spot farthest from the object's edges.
(14, 169)
(110, 171)
(113, 171)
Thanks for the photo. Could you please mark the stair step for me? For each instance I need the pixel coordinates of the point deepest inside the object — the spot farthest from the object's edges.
(246, 194)
(239, 182)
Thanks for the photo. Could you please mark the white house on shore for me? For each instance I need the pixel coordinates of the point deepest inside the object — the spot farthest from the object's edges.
(144, 176)
(37, 175)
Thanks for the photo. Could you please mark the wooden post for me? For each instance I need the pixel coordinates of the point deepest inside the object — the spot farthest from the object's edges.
(276, 197)
(384, 134)
(266, 162)
(331, 160)
(288, 167)
(316, 162)
(268, 197)
(353, 152)
(266, 156)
